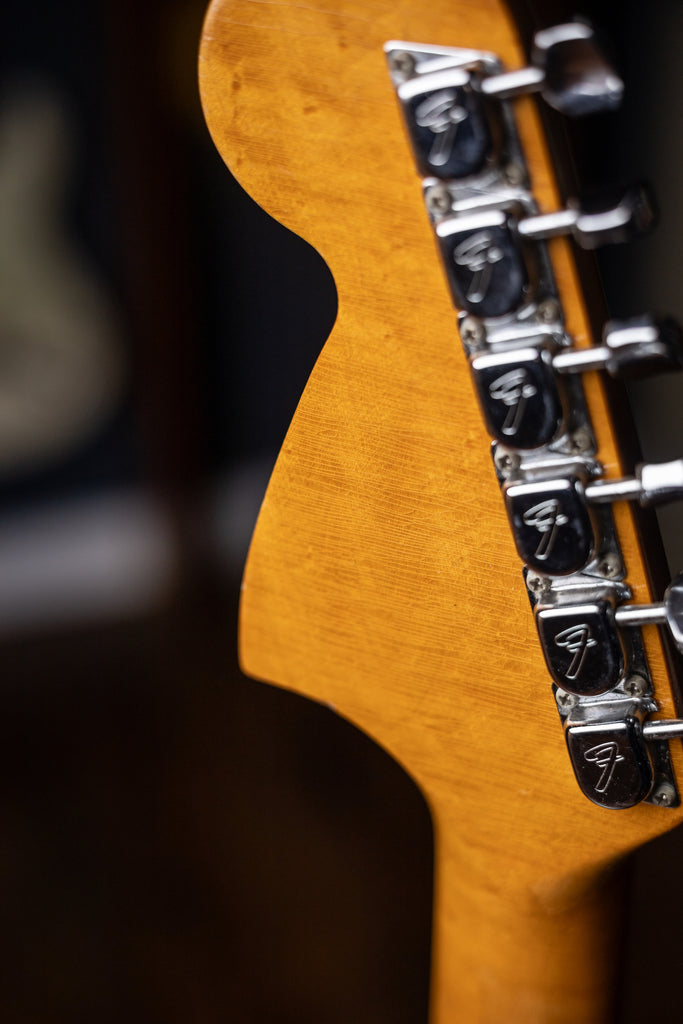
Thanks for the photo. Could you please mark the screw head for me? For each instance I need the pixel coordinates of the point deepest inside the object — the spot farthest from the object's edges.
(610, 567)
(506, 462)
(548, 311)
(580, 441)
(565, 700)
(538, 585)
(664, 795)
(514, 174)
(471, 331)
(438, 200)
(636, 686)
(402, 63)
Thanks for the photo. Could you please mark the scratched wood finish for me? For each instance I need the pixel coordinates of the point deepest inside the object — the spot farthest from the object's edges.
(382, 577)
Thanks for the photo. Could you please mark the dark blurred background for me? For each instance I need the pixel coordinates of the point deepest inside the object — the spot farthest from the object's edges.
(178, 842)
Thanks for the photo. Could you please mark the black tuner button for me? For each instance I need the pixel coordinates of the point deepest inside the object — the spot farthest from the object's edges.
(447, 123)
(551, 525)
(611, 762)
(568, 68)
(484, 262)
(519, 396)
(581, 646)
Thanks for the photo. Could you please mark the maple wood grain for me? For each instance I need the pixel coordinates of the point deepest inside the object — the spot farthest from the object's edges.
(382, 577)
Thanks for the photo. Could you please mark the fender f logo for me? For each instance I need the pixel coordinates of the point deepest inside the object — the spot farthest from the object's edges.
(441, 114)
(576, 640)
(478, 253)
(606, 757)
(546, 517)
(513, 389)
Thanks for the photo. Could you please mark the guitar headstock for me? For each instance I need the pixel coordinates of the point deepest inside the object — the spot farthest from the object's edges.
(383, 578)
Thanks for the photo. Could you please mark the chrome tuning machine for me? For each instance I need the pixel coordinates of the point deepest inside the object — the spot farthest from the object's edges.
(490, 266)
(586, 638)
(519, 384)
(553, 523)
(618, 758)
(453, 99)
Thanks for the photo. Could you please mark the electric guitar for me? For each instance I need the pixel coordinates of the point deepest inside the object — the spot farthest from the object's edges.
(490, 622)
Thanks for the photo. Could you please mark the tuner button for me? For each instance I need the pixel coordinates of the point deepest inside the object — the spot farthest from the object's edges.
(639, 345)
(673, 604)
(611, 762)
(484, 262)
(630, 216)
(568, 69)
(668, 612)
(643, 344)
(581, 647)
(579, 80)
(447, 123)
(519, 396)
(654, 483)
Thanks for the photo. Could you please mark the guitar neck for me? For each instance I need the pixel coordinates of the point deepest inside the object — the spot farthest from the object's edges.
(383, 579)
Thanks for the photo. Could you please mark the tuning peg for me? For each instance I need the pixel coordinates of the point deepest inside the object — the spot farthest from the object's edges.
(568, 68)
(668, 612)
(641, 344)
(451, 97)
(611, 760)
(585, 651)
(630, 216)
(554, 528)
(490, 270)
(519, 392)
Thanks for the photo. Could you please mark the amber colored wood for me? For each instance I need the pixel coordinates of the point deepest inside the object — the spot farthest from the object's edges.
(382, 578)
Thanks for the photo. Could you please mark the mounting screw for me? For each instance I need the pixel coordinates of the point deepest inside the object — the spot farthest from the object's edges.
(438, 200)
(664, 795)
(548, 311)
(610, 566)
(538, 585)
(402, 63)
(565, 700)
(636, 686)
(506, 462)
(580, 441)
(514, 174)
(471, 332)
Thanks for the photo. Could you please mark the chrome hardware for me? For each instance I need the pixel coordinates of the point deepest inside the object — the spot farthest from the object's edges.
(621, 222)
(456, 133)
(520, 395)
(585, 651)
(640, 344)
(581, 646)
(461, 124)
(611, 762)
(552, 522)
(453, 100)
(618, 757)
(484, 262)
(668, 612)
(569, 71)
(653, 484)
(483, 253)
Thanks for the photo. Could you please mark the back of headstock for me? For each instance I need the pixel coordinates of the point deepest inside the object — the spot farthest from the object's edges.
(383, 578)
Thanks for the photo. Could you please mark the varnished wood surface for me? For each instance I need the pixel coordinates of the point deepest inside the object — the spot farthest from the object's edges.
(382, 578)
